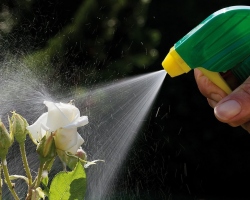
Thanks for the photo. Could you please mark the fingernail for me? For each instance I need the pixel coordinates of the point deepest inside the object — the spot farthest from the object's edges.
(215, 97)
(227, 110)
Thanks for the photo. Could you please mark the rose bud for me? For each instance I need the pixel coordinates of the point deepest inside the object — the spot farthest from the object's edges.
(6, 141)
(18, 127)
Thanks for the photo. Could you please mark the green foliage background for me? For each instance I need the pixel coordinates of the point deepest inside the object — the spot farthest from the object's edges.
(89, 41)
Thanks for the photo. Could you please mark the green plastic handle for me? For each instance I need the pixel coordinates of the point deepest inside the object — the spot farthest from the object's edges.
(220, 43)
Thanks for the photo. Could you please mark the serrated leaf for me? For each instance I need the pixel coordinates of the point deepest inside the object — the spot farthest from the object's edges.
(69, 185)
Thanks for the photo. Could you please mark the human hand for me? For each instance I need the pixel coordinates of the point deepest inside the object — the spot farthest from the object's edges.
(233, 109)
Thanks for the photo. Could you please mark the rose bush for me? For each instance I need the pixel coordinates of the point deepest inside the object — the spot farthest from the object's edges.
(61, 121)
(55, 134)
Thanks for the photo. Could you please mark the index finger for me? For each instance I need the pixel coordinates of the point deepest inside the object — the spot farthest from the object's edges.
(207, 87)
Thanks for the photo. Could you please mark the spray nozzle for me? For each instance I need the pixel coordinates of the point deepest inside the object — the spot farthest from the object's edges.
(174, 64)
(220, 43)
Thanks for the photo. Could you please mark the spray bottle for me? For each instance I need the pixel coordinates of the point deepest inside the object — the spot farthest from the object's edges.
(218, 44)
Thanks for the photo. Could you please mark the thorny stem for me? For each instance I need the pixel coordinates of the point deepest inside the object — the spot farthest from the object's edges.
(7, 179)
(36, 182)
(1, 182)
(25, 162)
(39, 175)
(46, 165)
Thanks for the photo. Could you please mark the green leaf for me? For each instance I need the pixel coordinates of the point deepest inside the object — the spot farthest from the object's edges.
(45, 181)
(45, 189)
(69, 185)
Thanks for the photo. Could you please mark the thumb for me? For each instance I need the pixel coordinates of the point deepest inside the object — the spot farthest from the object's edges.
(234, 109)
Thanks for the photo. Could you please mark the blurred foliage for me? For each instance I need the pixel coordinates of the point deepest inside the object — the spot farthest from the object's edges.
(97, 38)
(184, 153)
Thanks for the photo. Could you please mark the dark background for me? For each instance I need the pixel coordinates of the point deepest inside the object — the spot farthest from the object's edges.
(184, 152)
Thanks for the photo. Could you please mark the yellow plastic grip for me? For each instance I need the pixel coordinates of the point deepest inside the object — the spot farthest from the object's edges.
(217, 79)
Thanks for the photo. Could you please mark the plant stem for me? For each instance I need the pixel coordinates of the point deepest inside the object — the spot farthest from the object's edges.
(39, 175)
(25, 162)
(7, 179)
(36, 182)
(1, 182)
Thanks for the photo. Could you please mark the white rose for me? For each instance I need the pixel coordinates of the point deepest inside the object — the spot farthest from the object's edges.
(62, 121)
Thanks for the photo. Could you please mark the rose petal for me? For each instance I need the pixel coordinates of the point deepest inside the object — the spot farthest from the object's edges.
(74, 148)
(56, 118)
(60, 114)
(36, 131)
(68, 140)
(81, 121)
(75, 113)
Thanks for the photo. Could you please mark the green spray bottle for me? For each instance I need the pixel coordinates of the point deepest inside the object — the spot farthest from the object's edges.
(218, 44)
